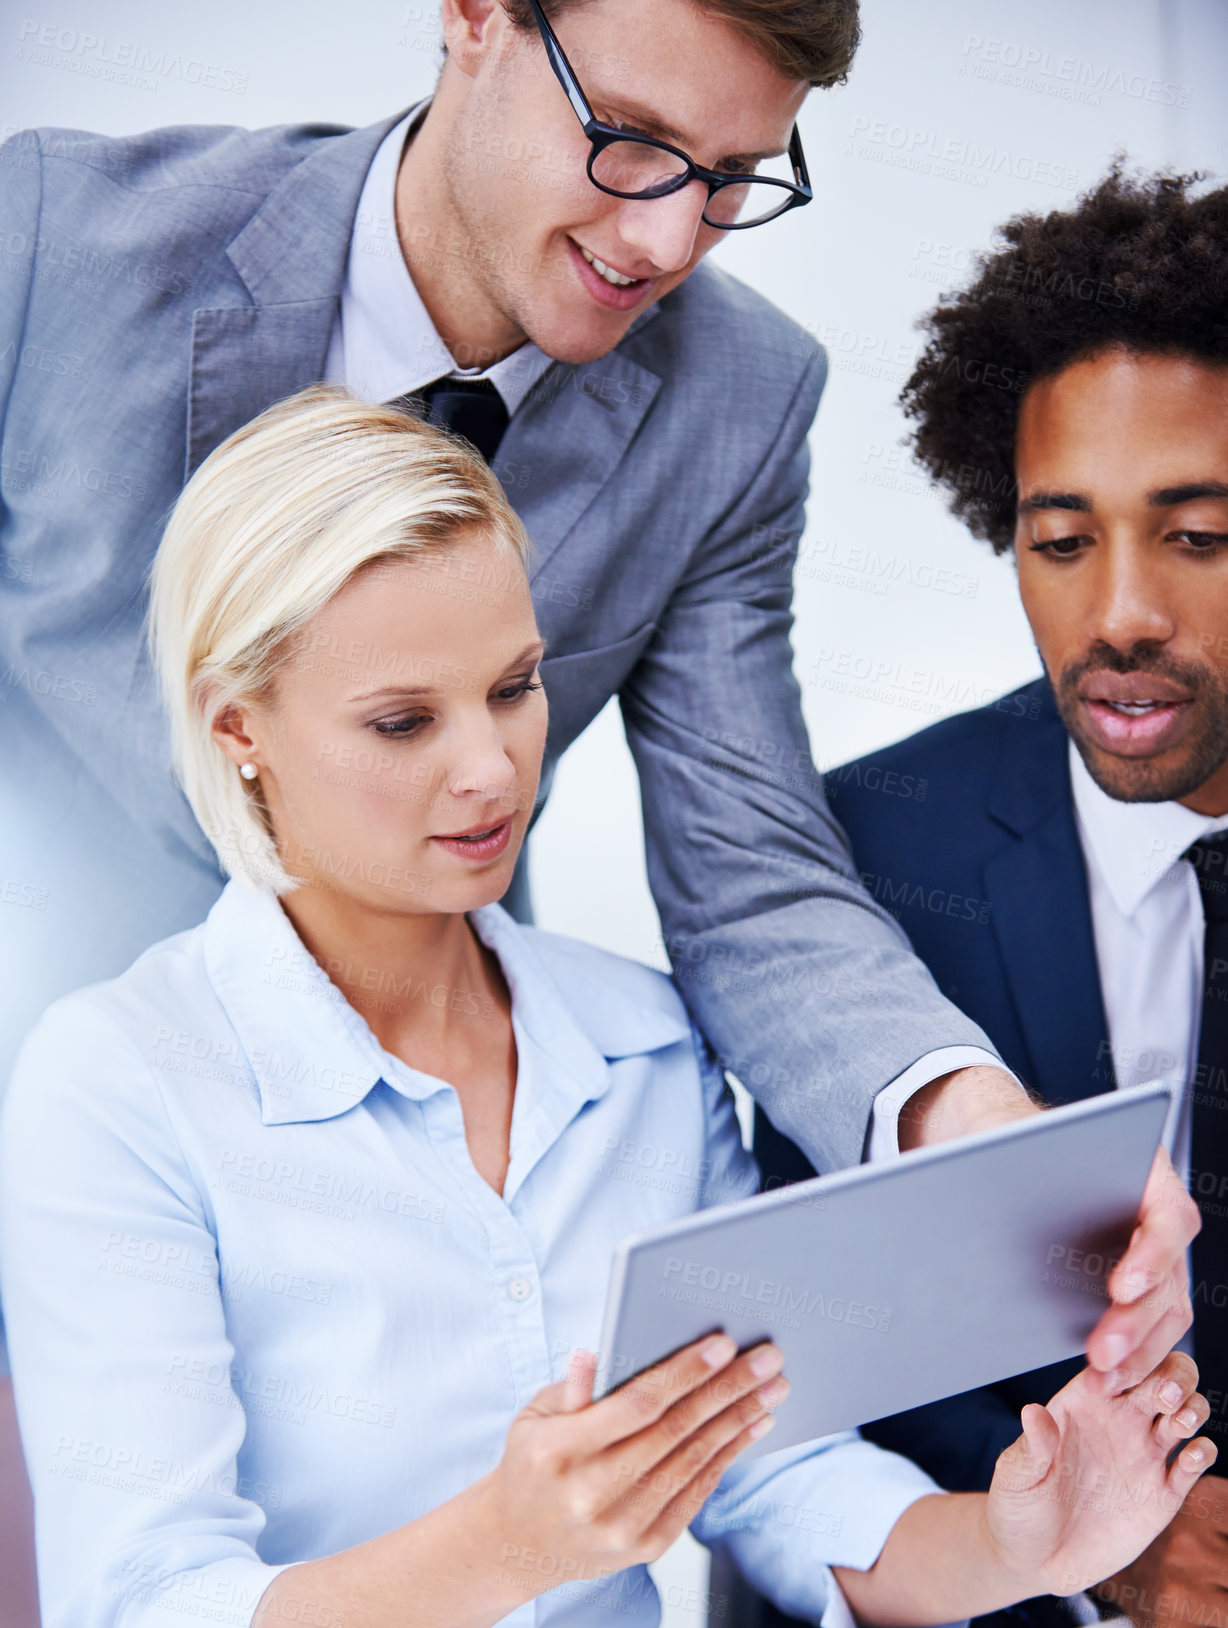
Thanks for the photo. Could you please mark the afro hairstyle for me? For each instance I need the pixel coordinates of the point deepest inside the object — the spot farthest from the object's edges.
(1138, 263)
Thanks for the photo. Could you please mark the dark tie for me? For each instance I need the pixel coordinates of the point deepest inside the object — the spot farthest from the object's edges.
(469, 407)
(1209, 1139)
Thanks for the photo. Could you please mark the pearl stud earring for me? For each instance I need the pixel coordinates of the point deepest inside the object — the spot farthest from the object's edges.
(249, 771)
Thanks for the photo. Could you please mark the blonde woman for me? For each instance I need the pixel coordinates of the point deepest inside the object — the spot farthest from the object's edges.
(306, 1218)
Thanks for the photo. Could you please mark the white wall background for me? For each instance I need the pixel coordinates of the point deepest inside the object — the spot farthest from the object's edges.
(959, 113)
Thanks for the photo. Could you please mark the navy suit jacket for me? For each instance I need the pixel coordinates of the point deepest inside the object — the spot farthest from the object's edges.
(966, 833)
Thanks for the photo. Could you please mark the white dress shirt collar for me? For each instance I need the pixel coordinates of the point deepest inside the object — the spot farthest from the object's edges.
(1133, 845)
(384, 342)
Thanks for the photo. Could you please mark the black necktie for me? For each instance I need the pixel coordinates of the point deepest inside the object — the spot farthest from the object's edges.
(469, 407)
(1209, 1139)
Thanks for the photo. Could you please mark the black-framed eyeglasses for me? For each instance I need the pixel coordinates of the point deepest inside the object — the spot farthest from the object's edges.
(629, 165)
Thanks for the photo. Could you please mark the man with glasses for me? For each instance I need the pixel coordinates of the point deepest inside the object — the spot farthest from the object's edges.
(630, 164)
(519, 258)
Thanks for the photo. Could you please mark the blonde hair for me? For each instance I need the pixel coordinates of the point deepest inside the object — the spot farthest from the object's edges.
(272, 525)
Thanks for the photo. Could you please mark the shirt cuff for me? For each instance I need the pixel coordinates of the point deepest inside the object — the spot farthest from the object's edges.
(883, 1140)
(838, 1613)
(237, 1584)
(785, 1518)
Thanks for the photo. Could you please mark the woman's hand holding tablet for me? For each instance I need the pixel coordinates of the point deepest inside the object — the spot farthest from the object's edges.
(1089, 1481)
(1086, 1486)
(586, 1488)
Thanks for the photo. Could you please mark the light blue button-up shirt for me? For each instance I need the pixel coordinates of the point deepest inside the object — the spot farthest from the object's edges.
(262, 1307)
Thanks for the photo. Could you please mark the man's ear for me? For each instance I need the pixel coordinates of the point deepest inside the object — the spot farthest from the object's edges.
(470, 29)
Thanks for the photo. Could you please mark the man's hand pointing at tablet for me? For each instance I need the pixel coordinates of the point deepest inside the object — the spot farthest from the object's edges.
(1149, 1287)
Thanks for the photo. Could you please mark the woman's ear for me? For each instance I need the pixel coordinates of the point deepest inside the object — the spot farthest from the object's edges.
(230, 730)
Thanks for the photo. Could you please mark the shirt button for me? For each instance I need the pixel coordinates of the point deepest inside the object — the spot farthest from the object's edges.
(520, 1288)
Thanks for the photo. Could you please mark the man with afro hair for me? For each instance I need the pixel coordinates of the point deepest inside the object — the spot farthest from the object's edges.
(1066, 876)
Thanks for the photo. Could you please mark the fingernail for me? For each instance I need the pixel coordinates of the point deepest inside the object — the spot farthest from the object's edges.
(1116, 1349)
(1193, 1455)
(1133, 1285)
(761, 1427)
(767, 1362)
(1170, 1393)
(774, 1391)
(718, 1351)
(1186, 1419)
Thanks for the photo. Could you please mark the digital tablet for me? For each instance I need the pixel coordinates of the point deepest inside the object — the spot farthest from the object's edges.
(894, 1284)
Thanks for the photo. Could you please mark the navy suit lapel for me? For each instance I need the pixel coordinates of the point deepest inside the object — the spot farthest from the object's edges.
(1037, 886)
(291, 257)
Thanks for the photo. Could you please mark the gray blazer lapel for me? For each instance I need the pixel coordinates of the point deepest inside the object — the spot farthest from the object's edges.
(565, 442)
(244, 358)
(291, 256)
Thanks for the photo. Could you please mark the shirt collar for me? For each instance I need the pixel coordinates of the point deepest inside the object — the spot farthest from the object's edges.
(389, 343)
(562, 990)
(314, 1056)
(568, 1026)
(1134, 845)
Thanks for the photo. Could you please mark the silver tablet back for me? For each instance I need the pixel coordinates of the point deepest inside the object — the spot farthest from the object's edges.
(895, 1284)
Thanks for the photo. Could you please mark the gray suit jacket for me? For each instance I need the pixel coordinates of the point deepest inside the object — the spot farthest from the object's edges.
(158, 291)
